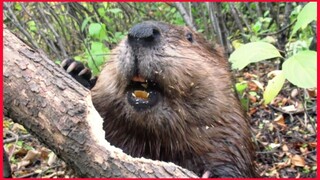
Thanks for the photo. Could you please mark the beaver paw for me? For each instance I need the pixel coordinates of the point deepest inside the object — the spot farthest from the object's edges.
(79, 72)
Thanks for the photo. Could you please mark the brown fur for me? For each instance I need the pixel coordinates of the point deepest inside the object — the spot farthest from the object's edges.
(198, 122)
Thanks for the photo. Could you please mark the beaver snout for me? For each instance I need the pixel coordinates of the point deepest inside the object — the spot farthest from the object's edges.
(145, 34)
(142, 91)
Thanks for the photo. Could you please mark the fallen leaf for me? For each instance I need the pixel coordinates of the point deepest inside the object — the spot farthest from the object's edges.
(17, 127)
(52, 158)
(252, 110)
(247, 75)
(279, 120)
(273, 145)
(285, 148)
(284, 101)
(289, 109)
(23, 163)
(304, 150)
(252, 86)
(44, 153)
(312, 92)
(32, 155)
(283, 164)
(313, 144)
(20, 152)
(297, 160)
(253, 99)
(259, 84)
(294, 93)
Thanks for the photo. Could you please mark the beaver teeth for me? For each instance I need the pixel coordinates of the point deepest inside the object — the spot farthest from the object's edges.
(141, 94)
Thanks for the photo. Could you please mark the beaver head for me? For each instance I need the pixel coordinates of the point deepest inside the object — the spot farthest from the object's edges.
(166, 94)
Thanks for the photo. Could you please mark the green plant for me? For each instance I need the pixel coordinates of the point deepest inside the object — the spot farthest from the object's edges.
(300, 68)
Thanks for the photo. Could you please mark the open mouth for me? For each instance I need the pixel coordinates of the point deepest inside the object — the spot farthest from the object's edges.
(142, 94)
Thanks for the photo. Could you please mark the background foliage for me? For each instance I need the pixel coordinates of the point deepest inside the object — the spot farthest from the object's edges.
(268, 43)
(73, 29)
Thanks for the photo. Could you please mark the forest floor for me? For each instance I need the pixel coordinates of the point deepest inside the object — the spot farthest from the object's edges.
(284, 133)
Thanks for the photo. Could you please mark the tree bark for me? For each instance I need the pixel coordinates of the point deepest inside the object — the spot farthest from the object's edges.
(187, 17)
(55, 108)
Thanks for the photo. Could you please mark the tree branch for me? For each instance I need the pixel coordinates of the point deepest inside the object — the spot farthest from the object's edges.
(187, 18)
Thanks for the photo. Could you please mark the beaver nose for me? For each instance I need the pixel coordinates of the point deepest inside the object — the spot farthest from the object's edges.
(144, 34)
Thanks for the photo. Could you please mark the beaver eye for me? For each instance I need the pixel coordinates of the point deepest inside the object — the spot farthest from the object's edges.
(189, 37)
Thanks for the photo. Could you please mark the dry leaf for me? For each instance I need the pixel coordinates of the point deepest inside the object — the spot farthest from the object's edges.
(252, 110)
(44, 153)
(273, 145)
(312, 92)
(52, 158)
(17, 127)
(252, 99)
(32, 155)
(297, 160)
(313, 144)
(283, 164)
(285, 148)
(23, 163)
(289, 109)
(294, 93)
(252, 86)
(304, 150)
(258, 84)
(280, 121)
(284, 101)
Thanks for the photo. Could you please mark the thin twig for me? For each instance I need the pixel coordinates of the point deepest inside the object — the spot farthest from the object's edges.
(187, 17)
(22, 137)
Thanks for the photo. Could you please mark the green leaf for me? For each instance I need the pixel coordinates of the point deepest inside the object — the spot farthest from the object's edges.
(84, 23)
(19, 143)
(301, 69)
(115, 10)
(97, 56)
(101, 12)
(240, 87)
(273, 88)
(94, 29)
(96, 46)
(32, 26)
(245, 103)
(306, 16)
(118, 36)
(92, 65)
(257, 26)
(252, 52)
(17, 6)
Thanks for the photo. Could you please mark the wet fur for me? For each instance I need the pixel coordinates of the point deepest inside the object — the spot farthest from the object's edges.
(198, 123)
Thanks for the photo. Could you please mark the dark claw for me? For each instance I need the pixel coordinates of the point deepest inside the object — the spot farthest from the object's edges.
(84, 71)
(66, 62)
(79, 72)
(72, 66)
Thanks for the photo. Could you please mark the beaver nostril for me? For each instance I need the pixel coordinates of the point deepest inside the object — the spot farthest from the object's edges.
(145, 34)
(155, 34)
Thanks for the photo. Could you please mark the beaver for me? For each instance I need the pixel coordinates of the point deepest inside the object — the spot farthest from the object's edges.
(167, 94)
